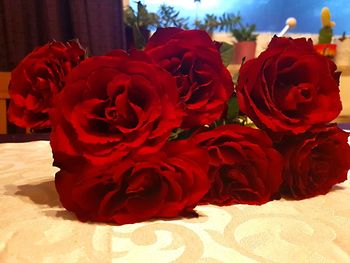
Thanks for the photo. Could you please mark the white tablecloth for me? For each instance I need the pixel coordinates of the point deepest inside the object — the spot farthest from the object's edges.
(35, 228)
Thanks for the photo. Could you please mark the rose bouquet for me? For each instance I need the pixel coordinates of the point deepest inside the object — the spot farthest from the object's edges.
(153, 133)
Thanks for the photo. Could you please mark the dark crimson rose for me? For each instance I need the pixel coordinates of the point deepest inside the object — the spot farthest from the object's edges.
(315, 161)
(113, 105)
(203, 82)
(168, 183)
(244, 166)
(37, 79)
(289, 87)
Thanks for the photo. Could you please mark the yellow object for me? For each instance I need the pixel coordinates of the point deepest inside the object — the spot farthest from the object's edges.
(326, 18)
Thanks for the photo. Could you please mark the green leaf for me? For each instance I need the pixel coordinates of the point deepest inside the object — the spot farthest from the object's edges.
(168, 16)
(244, 32)
(226, 51)
(232, 111)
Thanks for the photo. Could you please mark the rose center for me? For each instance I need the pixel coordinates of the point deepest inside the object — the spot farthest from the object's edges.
(143, 182)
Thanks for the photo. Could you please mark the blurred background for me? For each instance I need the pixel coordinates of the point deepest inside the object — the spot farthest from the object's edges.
(268, 15)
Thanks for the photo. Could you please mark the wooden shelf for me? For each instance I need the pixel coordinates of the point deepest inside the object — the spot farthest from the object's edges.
(345, 70)
(342, 119)
(4, 82)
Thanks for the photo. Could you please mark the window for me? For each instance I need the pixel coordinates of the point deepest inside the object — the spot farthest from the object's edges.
(268, 15)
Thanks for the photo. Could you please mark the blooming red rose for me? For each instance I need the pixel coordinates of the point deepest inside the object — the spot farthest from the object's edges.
(165, 184)
(203, 82)
(37, 79)
(315, 161)
(289, 87)
(113, 105)
(244, 166)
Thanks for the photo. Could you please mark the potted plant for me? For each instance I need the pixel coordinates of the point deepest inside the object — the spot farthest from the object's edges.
(324, 46)
(168, 16)
(245, 46)
(226, 22)
(138, 25)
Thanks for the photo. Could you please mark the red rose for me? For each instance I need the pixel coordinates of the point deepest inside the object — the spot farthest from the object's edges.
(165, 184)
(113, 105)
(37, 79)
(203, 82)
(244, 166)
(315, 161)
(289, 87)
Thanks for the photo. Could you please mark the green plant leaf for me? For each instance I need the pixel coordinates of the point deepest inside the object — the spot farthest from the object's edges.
(233, 109)
(244, 32)
(168, 16)
(226, 51)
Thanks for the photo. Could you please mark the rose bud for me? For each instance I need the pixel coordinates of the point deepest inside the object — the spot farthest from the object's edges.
(289, 88)
(244, 168)
(315, 161)
(37, 79)
(166, 184)
(204, 84)
(112, 106)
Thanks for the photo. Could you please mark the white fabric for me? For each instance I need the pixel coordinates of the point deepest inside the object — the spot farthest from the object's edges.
(35, 228)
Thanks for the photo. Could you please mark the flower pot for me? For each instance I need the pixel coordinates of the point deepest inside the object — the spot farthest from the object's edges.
(327, 50)
(244, 49)
(342, 57)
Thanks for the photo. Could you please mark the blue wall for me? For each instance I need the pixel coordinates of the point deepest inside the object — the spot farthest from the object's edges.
(268, 15)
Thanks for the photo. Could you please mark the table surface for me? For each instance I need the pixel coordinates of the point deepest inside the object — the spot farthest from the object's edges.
(34, 227)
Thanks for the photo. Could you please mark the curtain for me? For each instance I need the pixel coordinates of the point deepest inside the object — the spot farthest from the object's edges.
(25, 24)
